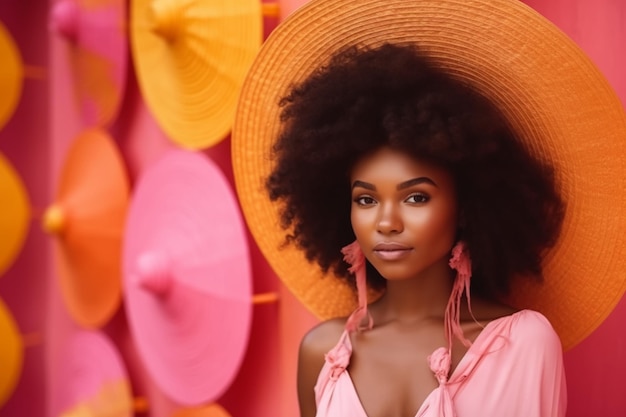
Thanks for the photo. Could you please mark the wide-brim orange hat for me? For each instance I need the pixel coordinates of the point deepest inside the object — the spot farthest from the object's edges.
(554, 97)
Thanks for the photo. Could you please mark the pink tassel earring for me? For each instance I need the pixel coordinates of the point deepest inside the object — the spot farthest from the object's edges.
(353, 255)
(461, 262)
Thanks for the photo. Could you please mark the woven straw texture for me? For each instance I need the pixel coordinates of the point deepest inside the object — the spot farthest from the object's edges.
(551, 93)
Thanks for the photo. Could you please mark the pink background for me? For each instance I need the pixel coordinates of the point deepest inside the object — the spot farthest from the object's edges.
(46, 121)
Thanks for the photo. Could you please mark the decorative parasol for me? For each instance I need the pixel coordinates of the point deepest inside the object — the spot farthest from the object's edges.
(11, 75)
(92, 380)
(95, 31)
(191, 57)
(187, 277)
(14, 214)
(211, 410)
(11, 353)
(87, 219)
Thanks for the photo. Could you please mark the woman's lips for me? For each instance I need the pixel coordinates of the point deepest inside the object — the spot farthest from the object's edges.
(391, 251)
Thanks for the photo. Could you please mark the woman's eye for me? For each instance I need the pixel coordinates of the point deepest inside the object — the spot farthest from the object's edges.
(417, 198)
(364, 200)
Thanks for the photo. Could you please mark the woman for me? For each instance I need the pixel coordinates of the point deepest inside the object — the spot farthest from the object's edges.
(464, 159)
(428, 166)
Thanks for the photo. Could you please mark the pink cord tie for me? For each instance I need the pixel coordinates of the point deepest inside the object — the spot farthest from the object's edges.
(460, 261)
(353, 255)
(339, 359)
(439, 362)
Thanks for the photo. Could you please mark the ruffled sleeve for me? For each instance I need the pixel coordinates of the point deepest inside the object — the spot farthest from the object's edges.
(516, 370)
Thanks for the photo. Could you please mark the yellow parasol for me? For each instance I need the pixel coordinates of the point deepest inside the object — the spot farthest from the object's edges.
(11, 75)
(191, 57)
(14, 214)
(11, 354)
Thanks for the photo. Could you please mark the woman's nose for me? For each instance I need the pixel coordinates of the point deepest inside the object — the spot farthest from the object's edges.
(389, 220)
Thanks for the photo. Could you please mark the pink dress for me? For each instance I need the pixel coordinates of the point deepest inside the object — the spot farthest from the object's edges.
(514, 368)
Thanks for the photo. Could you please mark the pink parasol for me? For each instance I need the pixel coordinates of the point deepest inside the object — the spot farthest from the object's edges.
(187, 277)
(96, 33)
(92, 380)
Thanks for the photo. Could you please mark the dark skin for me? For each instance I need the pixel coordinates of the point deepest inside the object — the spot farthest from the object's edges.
(388, 366)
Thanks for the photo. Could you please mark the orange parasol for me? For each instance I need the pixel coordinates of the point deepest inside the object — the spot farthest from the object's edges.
(97, 50)
(14, 214)
(191, 57)
(87, 218)
(11, 354)
(211, 410)
(11, 75)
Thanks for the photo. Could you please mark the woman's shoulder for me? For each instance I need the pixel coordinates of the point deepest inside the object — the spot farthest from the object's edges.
(524, 320)
(526, 331)
(524, 327)
(323, 337)
(531, 325)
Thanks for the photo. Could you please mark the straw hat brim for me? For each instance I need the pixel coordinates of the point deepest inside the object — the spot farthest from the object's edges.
(551, 93)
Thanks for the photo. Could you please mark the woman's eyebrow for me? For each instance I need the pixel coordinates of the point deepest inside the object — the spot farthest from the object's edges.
(415, 181)
(363, 184)
(401, 186)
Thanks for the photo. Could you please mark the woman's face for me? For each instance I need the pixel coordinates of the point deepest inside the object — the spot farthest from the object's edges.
(403, 213)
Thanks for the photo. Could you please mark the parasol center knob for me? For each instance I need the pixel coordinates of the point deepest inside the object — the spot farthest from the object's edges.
(154, 273)
(54, 219)
(167, 18)
(64, 19)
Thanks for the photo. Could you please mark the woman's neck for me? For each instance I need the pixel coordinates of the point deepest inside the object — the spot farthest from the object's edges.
(418, 298)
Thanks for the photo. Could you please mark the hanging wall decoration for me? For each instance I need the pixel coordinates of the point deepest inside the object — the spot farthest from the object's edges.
(87, 220)
(11, 354)
(187, 277)
(212, 410)
(97, 50)
(191, 57)
(14, 214)
(11, 75)
(91, 379)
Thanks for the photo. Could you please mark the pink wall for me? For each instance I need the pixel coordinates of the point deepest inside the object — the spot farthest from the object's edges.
(24, 141)
(45, 123)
